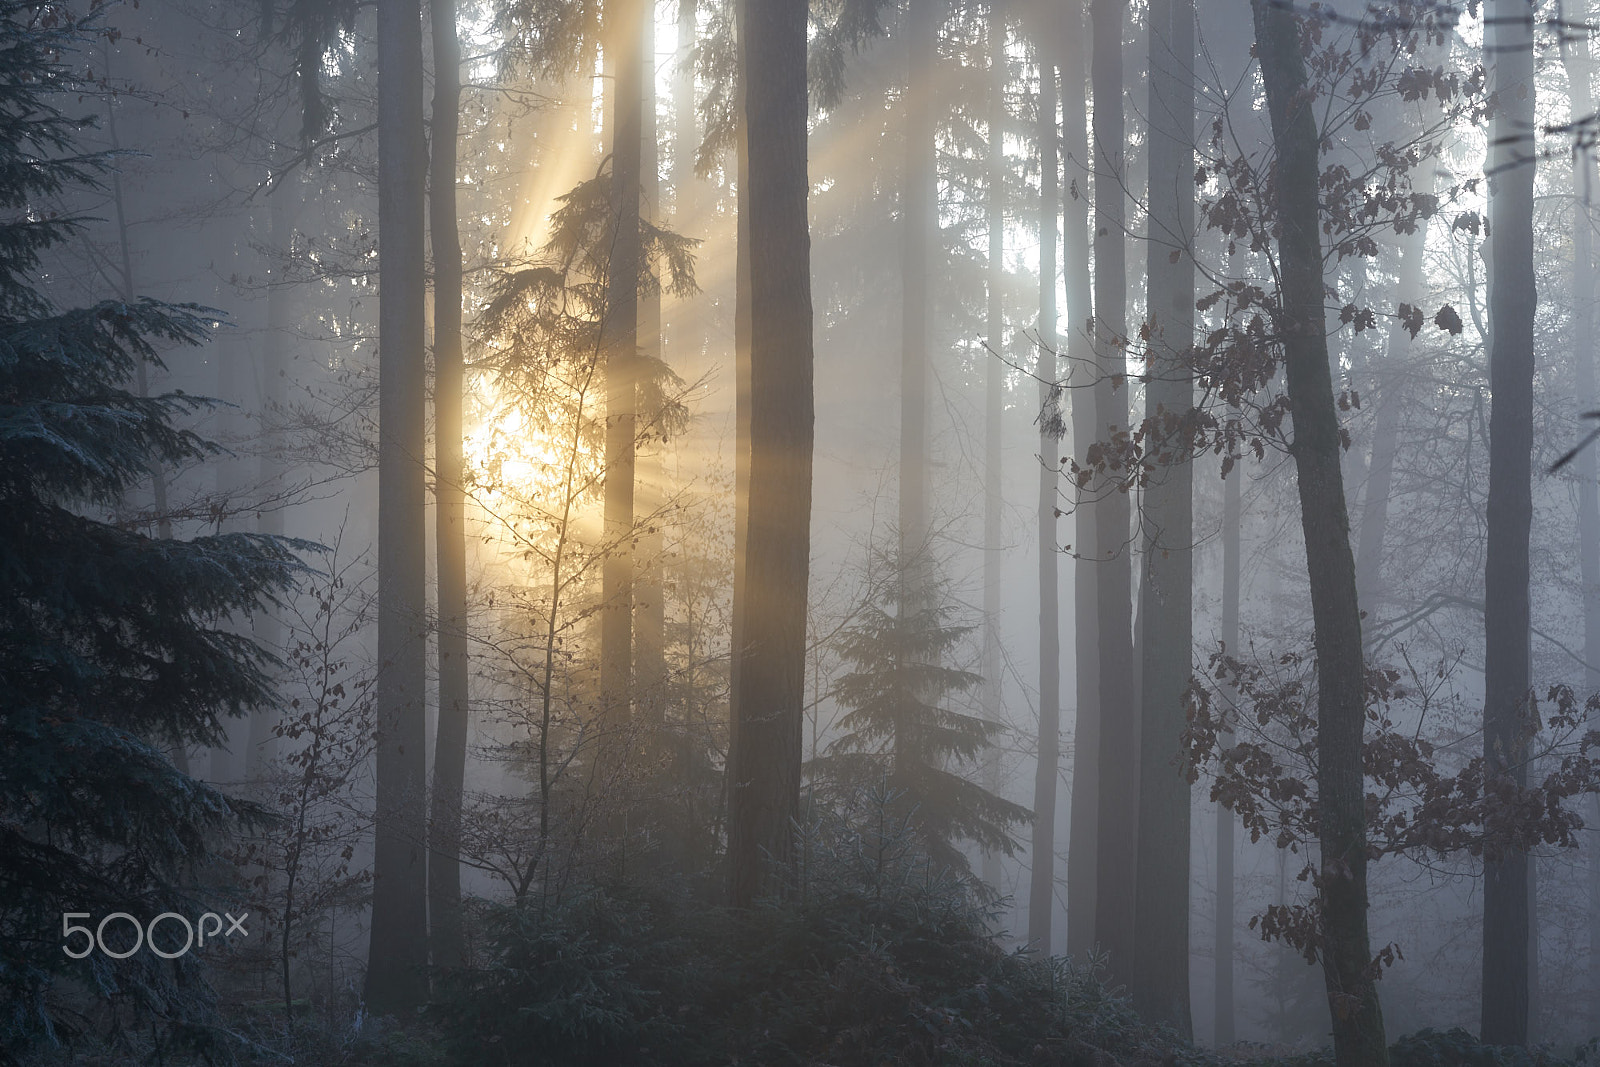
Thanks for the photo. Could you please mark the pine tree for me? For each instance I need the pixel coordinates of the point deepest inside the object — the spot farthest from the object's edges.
(901, 730)
(113, 645)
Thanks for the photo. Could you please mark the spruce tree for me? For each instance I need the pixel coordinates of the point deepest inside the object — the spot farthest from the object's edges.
(901, 731)
(113, 645)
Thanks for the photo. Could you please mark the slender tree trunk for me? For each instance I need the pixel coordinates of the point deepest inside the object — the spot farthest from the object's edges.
(764, 771)
(1083, 833)
(1580, 70)
(1161, 944)
(1358, 1037)
(650, 665)
(624, 20)
(741, 374)
(1119, 725)
(994, 416)
(450, 738)
(1042, 883)
(918, 220)
(399, 931)
(1232, 522)
(1507, 670)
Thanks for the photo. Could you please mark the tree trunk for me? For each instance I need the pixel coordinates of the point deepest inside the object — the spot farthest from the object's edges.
(1119, 726)
(399, 932)
(1042, 883)
(1082, 833)
(1161, 885)
(450, 737)
(1358, 1037)
(918, 220)
(1507, 670)
(650, 666)
(741, 418)
(994, 417)
(1579, 64)
(764, 771)
(624, 20)
(1232, 521)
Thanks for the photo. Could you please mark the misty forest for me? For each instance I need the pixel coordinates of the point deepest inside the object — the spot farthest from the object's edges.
(814, 534)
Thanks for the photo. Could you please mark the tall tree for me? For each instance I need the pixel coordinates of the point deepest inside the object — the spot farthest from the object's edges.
(768, 702)
(1507, 668)
(115, 647)
(1577, 56)
(1085, 812)
(624, 35)
(1042, 880)
(450, 540)
(918, 220)
(399, 932)
(993, 691)
(1161, 885)
(1118, 748)
(1358, 1037)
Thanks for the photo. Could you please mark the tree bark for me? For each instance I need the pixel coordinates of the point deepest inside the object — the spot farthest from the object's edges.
(1161, 884)
(1507, 669)
(1358, 1037)
(1083, 831)
(399, 933)
(624, 21)
(450, 541)
(764, 771)
(1042, 881)
(1119, 727)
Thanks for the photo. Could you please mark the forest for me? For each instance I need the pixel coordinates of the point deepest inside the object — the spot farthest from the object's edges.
(809, 533)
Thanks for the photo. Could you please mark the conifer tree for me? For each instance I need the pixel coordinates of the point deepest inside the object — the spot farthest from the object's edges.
(114, 647)
(900, 729)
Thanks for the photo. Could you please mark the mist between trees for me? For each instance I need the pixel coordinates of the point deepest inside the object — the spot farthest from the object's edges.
(727, 531)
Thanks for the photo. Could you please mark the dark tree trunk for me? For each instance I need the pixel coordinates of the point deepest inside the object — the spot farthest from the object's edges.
(399, 932)
(1119, 724)
(1083, 832)
(624, 20)
(1358, 1037)
(450, 542)
(741, 376)
(994, 416)
(1507, 671)
(1161, 944)
(768, 711)
(1042, 883)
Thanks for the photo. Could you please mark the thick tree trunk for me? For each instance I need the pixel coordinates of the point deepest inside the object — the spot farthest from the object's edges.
(450, 541)
(1161, 944)
(624, 21)
(1119, 724)
(1358, 1037)
(1232, 522)
(1042, 883)
(764, 771)
(399, 932)
(1083, 831)
(1507, 670)
(741, 376)
(994, 417)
